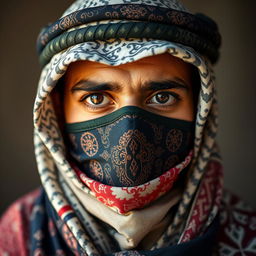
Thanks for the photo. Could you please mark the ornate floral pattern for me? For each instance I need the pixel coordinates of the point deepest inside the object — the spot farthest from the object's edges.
(134, 151)
(96, 170)
(133, 12)
(116, 53)
(238, 227)
(89, 144)
(236, 234)
(124, 199)
(80, 5)
(130, 11)
(135, 156)
(174, 139)
(50, 148)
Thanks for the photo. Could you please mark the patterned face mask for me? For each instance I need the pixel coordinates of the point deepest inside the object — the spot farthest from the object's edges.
(130, 146)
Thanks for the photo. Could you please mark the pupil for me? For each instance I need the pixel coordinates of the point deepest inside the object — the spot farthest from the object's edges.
(162, 97)
(96, 99)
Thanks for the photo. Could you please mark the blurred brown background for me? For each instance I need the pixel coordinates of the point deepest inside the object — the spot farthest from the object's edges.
(20, 22)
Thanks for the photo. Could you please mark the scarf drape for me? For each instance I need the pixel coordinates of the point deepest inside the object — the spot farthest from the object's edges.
(71, 202)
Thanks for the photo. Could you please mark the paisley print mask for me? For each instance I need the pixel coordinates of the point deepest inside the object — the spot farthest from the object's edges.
(130, 146)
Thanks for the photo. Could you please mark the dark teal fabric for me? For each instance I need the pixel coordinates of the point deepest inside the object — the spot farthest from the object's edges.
(47, 222)
(130, 146)
(139, 30)
(198, 23)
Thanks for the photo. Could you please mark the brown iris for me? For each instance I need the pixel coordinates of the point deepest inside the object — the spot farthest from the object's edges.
(162, 97)
(96, 98)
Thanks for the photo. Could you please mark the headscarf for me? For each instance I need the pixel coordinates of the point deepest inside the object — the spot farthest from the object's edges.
(114, 32)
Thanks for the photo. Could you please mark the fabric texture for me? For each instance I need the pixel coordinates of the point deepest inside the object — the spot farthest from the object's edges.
(124, 199)
(50, 148)
(129, 30)
(151, 20)
(236, 230)
(140, 12)
(68, 217)
(130, 146)
(130, 229)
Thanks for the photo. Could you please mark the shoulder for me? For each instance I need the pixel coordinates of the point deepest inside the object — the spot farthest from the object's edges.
(14, 226)
(237, 234)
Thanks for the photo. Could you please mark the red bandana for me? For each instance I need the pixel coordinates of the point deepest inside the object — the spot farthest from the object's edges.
(125, 199)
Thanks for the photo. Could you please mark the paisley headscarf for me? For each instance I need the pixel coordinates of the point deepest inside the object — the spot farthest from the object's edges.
(116, 32)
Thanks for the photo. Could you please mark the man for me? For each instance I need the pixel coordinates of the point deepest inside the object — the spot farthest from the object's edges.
(124, 140)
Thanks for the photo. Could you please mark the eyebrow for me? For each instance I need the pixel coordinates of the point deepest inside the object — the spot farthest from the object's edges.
(90, 86)
(177, 83)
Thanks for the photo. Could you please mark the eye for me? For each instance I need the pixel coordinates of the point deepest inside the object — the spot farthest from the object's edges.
(96, 99)
(164, 98)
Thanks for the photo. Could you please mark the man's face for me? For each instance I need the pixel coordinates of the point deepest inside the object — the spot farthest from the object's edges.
(161, 84)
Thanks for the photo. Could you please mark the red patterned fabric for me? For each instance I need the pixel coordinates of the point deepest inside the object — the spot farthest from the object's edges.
(14, 226)
(207, 202)
(237, 232)
(124, 199)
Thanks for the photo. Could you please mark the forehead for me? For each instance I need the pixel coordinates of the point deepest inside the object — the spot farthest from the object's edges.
(152, 67)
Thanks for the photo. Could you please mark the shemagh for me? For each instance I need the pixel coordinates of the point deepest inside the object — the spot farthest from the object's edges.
(97, 228)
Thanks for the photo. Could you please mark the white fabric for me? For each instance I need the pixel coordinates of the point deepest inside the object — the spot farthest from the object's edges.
(50, 149)
(135, 225)
(81, 4)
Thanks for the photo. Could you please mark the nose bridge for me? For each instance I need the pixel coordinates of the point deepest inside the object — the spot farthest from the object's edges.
(132, 93)
(132, 96)
(131, 99)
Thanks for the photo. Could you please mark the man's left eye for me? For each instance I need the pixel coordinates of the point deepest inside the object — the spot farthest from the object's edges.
(163, 98)
(97, 99)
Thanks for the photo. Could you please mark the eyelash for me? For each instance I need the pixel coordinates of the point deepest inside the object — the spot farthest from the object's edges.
(92, 107)
(173, 94)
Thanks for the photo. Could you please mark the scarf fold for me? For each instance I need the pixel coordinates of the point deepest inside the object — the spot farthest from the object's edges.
(141, 12)
(132, 227)
(52, 235)
(73, 203)
(125, 199)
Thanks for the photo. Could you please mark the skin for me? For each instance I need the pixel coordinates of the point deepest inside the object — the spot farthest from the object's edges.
(161, 84)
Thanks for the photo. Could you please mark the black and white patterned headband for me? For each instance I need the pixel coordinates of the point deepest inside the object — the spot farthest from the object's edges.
(135, 21)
